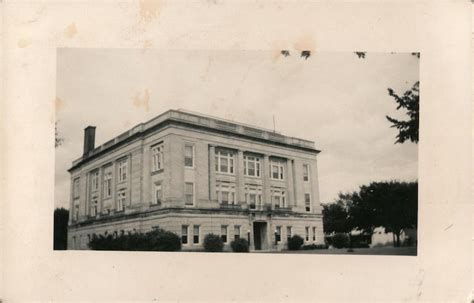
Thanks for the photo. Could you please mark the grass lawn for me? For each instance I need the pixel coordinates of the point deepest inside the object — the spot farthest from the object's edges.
(396, 251)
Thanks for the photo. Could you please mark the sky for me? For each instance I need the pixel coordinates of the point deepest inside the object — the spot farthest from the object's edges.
(335, 99)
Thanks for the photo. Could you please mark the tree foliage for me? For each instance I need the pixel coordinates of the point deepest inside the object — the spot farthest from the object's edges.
(390, 204)
(407, 129)
(335, 215)
(61, 218)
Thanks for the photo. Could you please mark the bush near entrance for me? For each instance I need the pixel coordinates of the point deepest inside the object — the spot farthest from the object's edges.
(295, 242)
(240, 245)
(213, 243)
(156, 240)
(340, 240)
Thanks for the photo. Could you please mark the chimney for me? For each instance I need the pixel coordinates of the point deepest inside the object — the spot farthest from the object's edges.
(89, 139)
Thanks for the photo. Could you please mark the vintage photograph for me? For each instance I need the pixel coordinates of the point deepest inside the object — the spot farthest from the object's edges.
(285, 151)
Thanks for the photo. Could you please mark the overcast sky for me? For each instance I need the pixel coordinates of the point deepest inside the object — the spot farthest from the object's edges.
(334, 99)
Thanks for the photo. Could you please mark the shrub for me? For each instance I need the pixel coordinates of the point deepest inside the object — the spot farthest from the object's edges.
(314, 246)
(162, 240)
(240, 245)
(340, 240)
(295, 242)
(156, 240)
(213, 243)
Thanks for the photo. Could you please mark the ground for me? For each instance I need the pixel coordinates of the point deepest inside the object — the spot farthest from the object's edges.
(398, 251)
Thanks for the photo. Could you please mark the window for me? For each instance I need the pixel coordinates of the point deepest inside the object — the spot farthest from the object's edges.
(122, 170)
(157, 157)
(94, 207)
(157, 196)
(236, 232)
(196, 234)
(279, 198)
(189, 155)
(121, 196)
(305, 172)
(289, 233)
(184, 234)
(253, 196)
(225, 193)
(108, 185)
(307, 201)
(224, 162)
(95, 180)
(276, 170)
(251, 166)
(76, 212)
(278, 234)
(314, 233)
(189, 193)
(224, 233)
(306, 229)
(75, 189)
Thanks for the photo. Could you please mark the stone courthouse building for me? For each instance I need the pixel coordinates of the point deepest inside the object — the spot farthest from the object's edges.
(194, 175)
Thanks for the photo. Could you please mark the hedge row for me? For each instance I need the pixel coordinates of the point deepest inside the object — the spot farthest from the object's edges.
(155, 240)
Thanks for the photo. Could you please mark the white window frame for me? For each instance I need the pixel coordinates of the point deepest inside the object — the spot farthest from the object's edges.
(229, 188)
(257, 165)
(157, 156)
(237, 230)
(280, 169)
(307, 203)
(185, 194)
(254, 190)
(76, 188)
(226, 233)
(122, 170)
(307, 233)
(157, 187)
(198, 234)
(94, 206)
(95, 180)
(278, 232)
(121, 199)
(306, 173)
(314, 233)
(281, 195)
(227, 155)
(192, 154)
(76, 212)
(107, 185)
(187, 234)
(290, 234)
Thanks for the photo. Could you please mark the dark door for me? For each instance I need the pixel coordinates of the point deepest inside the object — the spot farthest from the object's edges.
(257, 235)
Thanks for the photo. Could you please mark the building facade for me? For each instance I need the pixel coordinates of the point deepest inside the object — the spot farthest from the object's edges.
(195, 175)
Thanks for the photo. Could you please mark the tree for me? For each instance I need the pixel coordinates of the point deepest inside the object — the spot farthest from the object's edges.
(392, 205)
(335, 215)
(408, 129)
(61, 218)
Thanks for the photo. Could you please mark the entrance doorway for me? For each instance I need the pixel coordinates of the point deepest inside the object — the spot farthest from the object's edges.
(260, 235)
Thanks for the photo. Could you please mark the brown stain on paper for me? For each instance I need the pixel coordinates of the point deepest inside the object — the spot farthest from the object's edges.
(142, 101)
(23, 43)
(58, 104)
(149, 10)
(70, 31)
(305, 43)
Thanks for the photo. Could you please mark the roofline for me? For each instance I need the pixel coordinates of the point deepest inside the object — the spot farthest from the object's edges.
(141, 132)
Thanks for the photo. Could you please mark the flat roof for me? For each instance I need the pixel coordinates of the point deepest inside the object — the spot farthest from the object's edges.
(201, 121)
